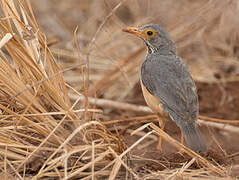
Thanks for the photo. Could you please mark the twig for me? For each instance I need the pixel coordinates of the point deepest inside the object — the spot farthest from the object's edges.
(214, 122)
(221, 126)
(113, 104)
(218, 120)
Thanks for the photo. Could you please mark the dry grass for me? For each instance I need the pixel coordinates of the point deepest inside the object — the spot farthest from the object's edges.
(50, 126)
(41, 130)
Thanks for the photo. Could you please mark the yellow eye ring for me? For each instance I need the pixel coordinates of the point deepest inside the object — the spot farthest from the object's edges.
(150, 33)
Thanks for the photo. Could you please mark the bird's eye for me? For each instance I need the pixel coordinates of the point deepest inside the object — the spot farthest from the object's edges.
(149, 33)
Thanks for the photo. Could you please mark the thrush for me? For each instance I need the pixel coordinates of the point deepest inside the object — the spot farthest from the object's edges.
(167, 84)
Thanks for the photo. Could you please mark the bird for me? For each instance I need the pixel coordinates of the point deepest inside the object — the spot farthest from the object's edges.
(167, 85)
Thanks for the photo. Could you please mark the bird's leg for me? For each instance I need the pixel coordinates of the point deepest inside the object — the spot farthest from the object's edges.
(162, 125)
(182, 137)
(182, 142)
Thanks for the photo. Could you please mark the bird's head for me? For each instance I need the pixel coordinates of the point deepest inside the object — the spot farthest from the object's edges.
(154, 36)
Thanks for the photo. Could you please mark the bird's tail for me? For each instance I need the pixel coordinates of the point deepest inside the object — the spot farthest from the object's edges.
(193, 137)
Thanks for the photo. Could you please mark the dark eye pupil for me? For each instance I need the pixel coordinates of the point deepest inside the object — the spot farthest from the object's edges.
(150, 33)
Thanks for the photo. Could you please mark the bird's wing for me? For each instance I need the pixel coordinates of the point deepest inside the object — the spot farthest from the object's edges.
(168, 78)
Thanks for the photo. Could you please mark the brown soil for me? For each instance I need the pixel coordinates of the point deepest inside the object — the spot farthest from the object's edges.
(219, 100)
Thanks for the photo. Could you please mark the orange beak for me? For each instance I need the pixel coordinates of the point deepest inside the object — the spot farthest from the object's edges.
(133, 30)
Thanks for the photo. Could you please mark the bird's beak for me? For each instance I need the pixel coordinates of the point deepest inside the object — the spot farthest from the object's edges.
(133, 30)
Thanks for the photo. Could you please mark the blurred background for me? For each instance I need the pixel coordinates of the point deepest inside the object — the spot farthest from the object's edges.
(205, 32)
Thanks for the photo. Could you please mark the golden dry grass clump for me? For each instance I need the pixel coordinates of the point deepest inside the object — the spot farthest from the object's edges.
(41, 132)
